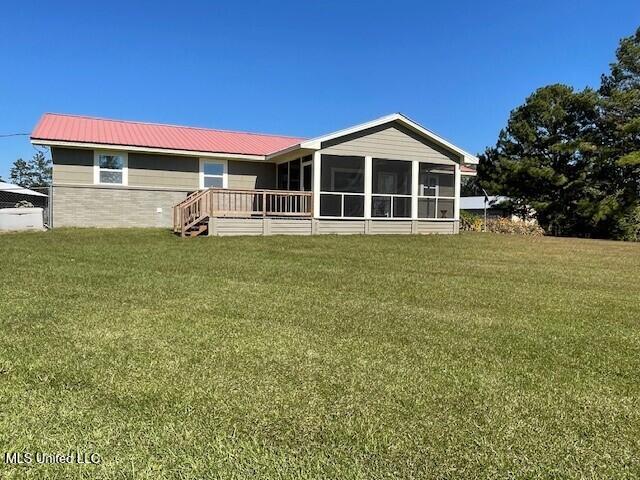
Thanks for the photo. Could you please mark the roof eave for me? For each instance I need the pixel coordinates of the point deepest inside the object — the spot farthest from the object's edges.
(303, 151)
(142, 149)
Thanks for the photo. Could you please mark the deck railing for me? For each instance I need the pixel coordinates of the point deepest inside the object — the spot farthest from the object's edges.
(217, 202)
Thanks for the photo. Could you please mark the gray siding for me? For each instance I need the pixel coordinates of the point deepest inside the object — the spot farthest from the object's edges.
(75, 166)
(382, 227)
(251, 175)
(259, 226)
(280, 226)
(426, 227)
(236, 226)
(341, 227)
(285, 226)
(72, 165)
(169, 171)
(391, 141)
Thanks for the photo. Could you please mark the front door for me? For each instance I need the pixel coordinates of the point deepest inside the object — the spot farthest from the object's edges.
(306, 177)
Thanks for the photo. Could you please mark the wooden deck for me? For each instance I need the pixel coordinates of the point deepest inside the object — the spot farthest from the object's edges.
(193, 212)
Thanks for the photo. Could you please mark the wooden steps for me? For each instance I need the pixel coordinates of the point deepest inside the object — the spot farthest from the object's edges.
(196, 230)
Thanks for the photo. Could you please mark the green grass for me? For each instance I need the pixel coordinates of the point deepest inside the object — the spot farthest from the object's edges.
(472, 356)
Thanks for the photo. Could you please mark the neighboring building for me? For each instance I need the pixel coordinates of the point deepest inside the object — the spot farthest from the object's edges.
(389, 175)
(476, 206)
(22, 208)
(467, 171)
(12, 194)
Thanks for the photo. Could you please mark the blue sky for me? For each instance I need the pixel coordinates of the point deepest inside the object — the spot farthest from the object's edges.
(297, 67)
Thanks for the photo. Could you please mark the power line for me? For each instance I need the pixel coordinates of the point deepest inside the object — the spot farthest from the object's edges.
(14, 134)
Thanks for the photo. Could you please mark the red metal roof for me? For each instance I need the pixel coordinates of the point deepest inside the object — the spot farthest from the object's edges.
(74, 128)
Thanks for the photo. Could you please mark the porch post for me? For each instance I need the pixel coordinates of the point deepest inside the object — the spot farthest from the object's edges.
(316, 184)
(456, 202)
(415, 184)
(367, 186)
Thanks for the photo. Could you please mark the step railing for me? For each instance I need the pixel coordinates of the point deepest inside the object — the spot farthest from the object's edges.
(219, 202)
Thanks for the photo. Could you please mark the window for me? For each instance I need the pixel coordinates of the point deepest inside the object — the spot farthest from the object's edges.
(391, 188)
(426, 208)
(110, 168)
(331, 205)
(289, 175)
(341, 205)
(283, 176)
(294, 175)
(307, 171)
(342, 186)
(342, 174)
(353, 206)
(213, 174)
(436, 191)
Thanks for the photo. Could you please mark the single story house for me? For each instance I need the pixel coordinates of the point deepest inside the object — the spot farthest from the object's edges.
(389, 175)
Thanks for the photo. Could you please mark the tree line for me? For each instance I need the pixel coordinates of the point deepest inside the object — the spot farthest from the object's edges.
(35, 172)
(572, 158)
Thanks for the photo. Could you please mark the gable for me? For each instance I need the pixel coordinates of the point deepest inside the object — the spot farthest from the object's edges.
(390, 141)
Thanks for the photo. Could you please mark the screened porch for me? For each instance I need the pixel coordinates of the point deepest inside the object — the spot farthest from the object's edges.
(357, 187)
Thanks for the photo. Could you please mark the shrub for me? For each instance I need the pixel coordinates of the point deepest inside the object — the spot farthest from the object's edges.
(474, 223)
(629, 226)
(468, 221)
(517, 227)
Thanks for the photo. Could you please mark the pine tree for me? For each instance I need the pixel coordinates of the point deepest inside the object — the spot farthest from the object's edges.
(20, 173)
(34, 173)
(620, 137)
(543, 158)
(40, 168)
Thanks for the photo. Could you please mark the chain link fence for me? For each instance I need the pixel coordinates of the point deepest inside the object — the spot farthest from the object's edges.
(18, 197)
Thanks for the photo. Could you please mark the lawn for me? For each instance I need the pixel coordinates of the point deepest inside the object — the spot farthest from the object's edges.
(320, 357)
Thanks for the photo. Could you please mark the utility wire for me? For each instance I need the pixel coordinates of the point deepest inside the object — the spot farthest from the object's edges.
(14, 134)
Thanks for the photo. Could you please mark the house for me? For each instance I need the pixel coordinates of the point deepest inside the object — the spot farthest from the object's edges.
(390, 175)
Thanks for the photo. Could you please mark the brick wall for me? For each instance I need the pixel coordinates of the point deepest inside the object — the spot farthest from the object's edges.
(99, 206)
